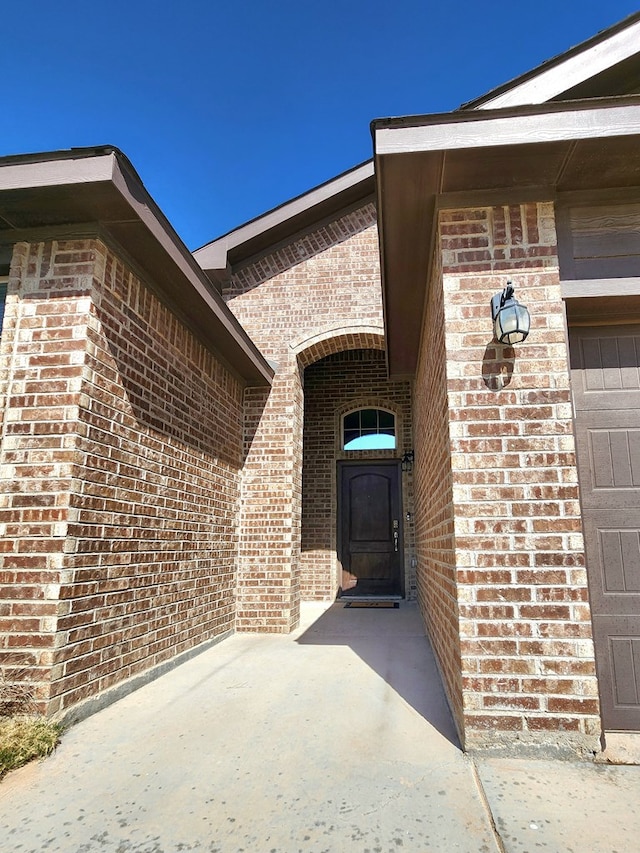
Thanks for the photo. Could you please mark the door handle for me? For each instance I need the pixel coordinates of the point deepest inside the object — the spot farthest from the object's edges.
(395, 540)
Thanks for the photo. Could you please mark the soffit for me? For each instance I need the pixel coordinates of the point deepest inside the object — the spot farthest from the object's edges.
(601, 310)
(475, 159)
(97, 191)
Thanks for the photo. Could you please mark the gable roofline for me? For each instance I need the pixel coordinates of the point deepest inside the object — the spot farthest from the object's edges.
(287, 221)
(96, 192)
(597, 57)
(564, 74)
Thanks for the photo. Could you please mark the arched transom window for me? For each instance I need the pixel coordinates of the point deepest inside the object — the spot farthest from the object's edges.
(369, 429)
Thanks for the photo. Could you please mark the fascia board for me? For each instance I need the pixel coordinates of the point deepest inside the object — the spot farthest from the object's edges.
(154, 220)
(575, 69)
(50, 173)
(213, 256)
(519, 129)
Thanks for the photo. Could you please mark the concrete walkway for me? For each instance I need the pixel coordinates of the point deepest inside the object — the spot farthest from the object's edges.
(336, 738)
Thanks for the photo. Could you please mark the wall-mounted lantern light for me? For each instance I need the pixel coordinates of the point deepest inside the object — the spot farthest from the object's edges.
(511, 321)
(407, 460)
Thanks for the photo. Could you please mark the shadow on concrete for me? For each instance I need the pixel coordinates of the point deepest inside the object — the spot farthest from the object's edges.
(392, 642)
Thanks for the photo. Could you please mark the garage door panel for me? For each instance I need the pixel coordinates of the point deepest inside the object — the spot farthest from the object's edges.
(609, 458)
(618, 642)
(629, 370)
(611, 453)
(606, 362)
(613, 554)
(601, 496)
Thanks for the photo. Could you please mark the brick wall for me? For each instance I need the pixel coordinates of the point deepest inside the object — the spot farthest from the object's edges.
(41, 356)
(269, 554)
(434, 512)
(527, 659)
(121, 447)
(314, 297)
(333, 386)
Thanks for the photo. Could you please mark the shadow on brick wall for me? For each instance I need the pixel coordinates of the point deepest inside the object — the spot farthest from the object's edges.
(497, 365)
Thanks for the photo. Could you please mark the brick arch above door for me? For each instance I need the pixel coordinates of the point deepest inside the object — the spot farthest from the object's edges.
(334, 384)
(334, 340)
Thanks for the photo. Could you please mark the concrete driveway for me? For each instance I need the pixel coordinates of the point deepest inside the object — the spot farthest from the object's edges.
(336, 738)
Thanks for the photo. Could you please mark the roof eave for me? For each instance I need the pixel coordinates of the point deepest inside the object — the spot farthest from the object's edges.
(66, 191)
(467, 159)
(284, 223)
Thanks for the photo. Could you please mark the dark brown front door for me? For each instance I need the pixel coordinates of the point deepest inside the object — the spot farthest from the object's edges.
(370, 528)
(605, 379)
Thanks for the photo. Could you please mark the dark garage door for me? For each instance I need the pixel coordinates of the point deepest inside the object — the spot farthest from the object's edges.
(605, 377)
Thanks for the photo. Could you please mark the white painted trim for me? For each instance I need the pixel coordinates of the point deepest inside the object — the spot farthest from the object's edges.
(576, 69)
(600, 287)
(511, 130)
(49, 173)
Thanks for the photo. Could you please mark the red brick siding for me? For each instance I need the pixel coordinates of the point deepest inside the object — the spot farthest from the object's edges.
(333, 386)
(527, 652)
(269, 569)
(305, 248)
(42, 355)
(332, 282)
(144, 552)
(434, 511)
(317, 295)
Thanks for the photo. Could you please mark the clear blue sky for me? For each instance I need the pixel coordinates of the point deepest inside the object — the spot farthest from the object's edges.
(227, 109)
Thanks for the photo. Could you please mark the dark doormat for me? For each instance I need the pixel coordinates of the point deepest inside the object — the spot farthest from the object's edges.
(387, 604)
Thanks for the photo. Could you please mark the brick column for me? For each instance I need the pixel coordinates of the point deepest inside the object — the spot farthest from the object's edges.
(526, 652)
(42, 356)
(269, 560)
